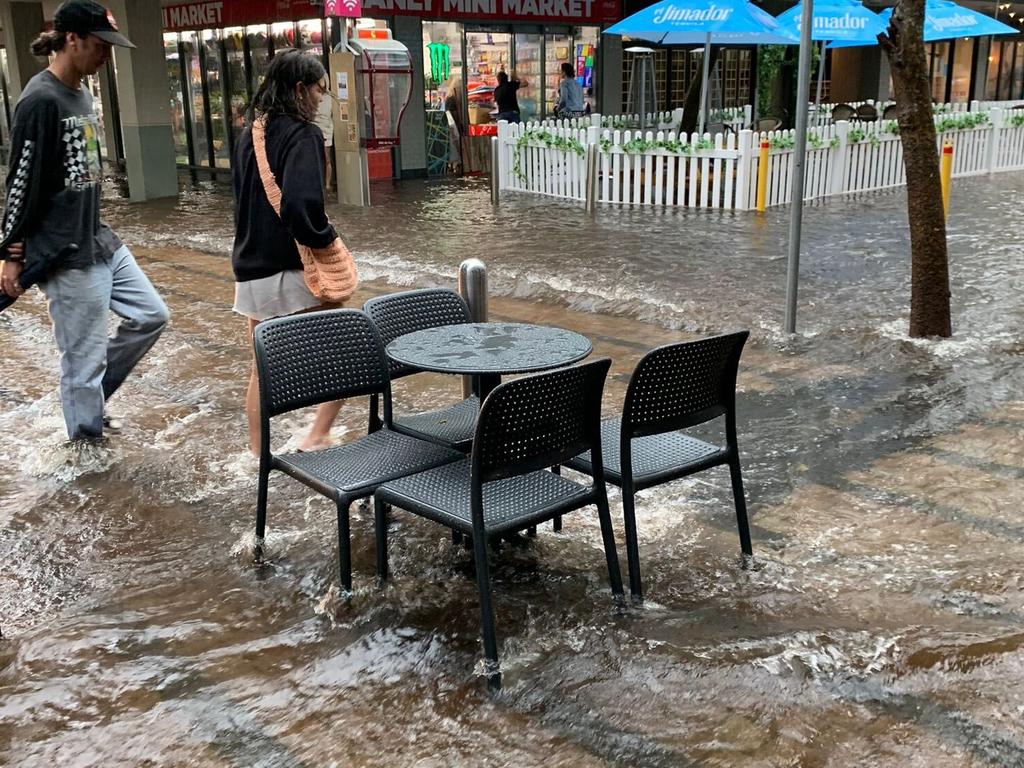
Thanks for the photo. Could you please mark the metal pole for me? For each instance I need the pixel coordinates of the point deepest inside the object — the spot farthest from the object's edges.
(799, 150)
(706, 69)
(591, 204)
(495, 171)
(643, 89)
(473, 288)
(821, 78)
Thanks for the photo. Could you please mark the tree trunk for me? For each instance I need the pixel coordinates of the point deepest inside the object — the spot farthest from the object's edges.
(691, 104)
(929, 263)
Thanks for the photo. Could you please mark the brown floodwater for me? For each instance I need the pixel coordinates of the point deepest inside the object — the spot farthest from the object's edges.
(882, 625)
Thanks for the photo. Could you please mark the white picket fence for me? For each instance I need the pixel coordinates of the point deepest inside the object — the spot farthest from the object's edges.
(661, 168)
(736, 118)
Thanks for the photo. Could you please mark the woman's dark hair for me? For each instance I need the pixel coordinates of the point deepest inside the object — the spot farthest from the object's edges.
(48, 42)
(276, 94)
(502, 77)
(567, 69)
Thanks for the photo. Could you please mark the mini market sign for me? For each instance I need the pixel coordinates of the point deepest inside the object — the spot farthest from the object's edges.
(205, 14)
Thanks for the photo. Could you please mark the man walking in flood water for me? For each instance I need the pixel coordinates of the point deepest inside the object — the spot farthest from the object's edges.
(53, 197)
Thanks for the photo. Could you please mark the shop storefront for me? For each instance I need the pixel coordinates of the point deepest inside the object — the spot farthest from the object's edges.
(217, 52)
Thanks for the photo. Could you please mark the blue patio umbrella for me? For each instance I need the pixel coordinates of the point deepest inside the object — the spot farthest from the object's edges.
(684, 22)
(944, 20)
(845, 20)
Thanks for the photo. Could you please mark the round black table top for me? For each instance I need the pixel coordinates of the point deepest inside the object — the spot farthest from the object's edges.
(489, 348)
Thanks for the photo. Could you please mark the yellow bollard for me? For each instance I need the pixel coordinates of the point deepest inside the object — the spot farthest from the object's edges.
(946, 174)
(762, 177)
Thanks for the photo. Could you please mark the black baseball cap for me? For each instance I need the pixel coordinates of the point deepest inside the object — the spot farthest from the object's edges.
(84, 17)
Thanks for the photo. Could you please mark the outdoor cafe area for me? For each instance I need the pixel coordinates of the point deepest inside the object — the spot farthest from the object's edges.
(519, 446)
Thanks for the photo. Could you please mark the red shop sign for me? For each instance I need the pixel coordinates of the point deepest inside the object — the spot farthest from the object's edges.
(200, 14)
(204, 14)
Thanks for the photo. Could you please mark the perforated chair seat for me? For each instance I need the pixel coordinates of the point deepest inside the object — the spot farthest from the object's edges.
(452, 425)
(510, 504)
(656, 458)
(357, 468)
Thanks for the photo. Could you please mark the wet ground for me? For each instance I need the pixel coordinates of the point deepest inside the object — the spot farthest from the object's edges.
(883, 624)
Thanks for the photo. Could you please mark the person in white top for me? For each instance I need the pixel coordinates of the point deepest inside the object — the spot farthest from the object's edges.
(325, 122)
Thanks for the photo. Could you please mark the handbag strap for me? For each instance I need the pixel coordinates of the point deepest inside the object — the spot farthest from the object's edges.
(259, 149)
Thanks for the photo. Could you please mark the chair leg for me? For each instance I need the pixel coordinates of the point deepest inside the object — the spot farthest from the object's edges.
(261, 513)
(374, 422)
(632, 547)
(344, 546)
(488, 633)
(532, 531)
(611, 555)
(556, 523)
(380, 514)
(741, 508)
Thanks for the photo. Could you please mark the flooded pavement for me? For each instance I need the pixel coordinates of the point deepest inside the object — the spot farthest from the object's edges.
(883, 624)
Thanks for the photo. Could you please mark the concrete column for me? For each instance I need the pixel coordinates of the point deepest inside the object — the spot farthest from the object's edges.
(22, 22)
(409, 31)
(979, 79)
(143, 95)
(610, 86)
(884, 78)
(110, 126)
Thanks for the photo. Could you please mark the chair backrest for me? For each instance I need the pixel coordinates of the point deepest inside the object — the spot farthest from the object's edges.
(318, 357)
(681, 385)
(843, 112)
(397, 314)
(867, 112)
(537, 421)
(769, 124)
(890, 112)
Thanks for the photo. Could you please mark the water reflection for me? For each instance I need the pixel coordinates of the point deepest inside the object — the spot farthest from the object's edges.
(882, 626)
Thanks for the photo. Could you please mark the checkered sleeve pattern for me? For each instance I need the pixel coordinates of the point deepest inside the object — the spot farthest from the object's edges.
(18, 191)
(76, 166)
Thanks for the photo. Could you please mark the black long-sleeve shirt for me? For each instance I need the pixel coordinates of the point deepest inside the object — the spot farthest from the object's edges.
(53, 182)
(265, 242)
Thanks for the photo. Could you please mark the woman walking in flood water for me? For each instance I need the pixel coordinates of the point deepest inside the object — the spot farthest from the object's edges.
(280, 221)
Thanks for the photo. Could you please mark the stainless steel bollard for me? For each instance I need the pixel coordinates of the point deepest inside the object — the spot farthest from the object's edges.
(473, 288)
(495, 172)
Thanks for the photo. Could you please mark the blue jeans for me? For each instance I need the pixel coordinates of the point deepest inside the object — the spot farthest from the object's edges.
(512, 116)
(93, 366)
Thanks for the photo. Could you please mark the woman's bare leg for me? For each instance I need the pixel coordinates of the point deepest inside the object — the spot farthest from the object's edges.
(252, 402)
(320, 431)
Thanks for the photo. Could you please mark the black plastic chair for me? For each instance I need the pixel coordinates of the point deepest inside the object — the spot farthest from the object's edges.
(843, 112)
(891, 112)
(673, 387)
(525, 425)
(867, 113)
(397, 314)
(769, 123)
(315, 358)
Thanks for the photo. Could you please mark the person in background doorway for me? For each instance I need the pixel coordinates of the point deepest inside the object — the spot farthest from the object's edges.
(570, 95)
(454, 114)
(589, 109)
(53, 202)
(506, 99)
(325, 122)
(269, 279)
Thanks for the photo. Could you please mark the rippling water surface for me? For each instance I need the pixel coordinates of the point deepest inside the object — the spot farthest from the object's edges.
(882, 625)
